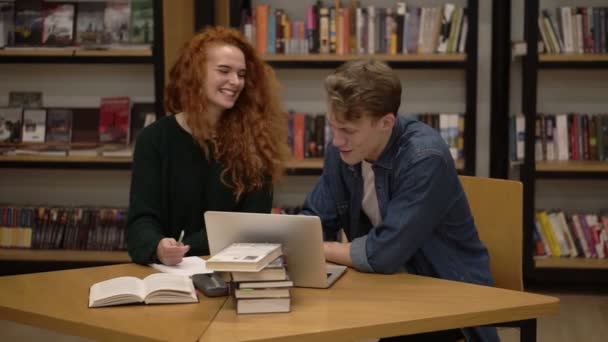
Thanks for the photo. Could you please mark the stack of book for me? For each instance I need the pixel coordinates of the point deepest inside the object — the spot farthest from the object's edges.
(259, 276)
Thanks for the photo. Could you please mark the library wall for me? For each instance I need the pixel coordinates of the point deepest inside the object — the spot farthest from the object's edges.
(82, 85)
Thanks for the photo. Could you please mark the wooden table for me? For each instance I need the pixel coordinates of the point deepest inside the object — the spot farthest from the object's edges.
(358, 306)
(362, 306)
(59, 301)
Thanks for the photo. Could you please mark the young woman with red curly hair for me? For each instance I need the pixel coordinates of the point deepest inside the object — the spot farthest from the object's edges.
(223, 149)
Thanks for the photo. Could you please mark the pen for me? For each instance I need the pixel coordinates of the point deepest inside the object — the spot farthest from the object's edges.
(181, 237)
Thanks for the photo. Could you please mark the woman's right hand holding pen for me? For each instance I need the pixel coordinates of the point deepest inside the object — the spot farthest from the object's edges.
(171, 252)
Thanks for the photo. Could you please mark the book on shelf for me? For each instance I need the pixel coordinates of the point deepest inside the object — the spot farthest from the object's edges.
(354, 29)
(575, 235)
(59, 125)
(10, 124)
(573, 29)
(28, 22)
(244, 257)
(158, 288)
(117, 17)
(90, 23)
(26, 99)
(67, 228)
(7, 24)
(142, 22)
(34, 125)
(58, 24)
(114, 115)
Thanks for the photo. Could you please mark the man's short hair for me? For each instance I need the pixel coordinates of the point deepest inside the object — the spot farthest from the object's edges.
(363, 87)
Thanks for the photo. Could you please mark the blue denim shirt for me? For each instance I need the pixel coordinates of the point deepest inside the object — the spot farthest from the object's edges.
(427, 227)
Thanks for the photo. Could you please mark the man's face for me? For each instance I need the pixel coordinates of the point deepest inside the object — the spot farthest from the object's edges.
(364, 138)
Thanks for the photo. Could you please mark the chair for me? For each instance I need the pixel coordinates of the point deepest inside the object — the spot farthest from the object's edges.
(497, 209)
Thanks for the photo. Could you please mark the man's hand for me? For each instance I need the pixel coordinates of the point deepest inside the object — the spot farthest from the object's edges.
(338, 253)
(171, 252)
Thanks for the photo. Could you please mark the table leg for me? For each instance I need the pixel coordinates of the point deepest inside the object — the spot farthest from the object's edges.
(527, 330)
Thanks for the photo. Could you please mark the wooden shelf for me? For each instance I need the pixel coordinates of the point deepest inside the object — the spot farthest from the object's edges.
(63, 159)
(63, 255)
(571, 263)
(36, 52)
(452, 57)
(312, 164)
(573, 166)
(115, 53)
(44, 52)
(41, 55)
(572, 57)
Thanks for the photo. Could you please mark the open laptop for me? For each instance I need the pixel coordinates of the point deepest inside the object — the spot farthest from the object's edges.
(301, 238)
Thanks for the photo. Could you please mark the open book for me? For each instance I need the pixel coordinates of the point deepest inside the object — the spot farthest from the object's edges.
(158, 288)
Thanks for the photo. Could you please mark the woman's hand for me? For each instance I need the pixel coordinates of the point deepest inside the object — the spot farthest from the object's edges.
(171, 252)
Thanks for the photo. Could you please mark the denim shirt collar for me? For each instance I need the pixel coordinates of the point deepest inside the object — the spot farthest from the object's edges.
(388, 154)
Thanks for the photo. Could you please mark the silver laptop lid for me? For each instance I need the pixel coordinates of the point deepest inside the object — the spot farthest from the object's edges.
(300, 236)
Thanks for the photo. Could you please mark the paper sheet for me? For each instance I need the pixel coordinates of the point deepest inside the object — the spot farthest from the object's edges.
(188, 266)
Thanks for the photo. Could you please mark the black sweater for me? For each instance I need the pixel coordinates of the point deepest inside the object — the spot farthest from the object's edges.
(172, 185)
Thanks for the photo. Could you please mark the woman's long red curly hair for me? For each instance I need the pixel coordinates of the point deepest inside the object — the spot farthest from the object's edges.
(251, 140)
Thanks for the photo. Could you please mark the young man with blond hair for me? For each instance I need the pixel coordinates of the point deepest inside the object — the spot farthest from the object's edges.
(390, 184)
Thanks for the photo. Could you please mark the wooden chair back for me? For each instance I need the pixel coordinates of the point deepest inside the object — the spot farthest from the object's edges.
(497, 209)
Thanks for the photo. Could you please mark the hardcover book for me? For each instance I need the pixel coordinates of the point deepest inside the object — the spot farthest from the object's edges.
(142, 22)
(263, 305)
(10, 124)
(245, 257)
(28, 22)
(117, 17)
(114, 120)
(7, 23)
(34, 125)
(59, 125)
(274, 271)
(90, 23)
(58, 26)
(158, 288)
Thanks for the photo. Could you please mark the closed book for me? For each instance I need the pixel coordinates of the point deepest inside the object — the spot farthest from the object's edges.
(274, 271)
(263, 305)
(114, 115)
(265, 284)
(244, 257)
(281, 292)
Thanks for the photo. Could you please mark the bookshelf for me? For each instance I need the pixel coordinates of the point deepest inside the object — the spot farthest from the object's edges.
(174, 24)
(229, 13)
(84, 67)
(553, 269)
